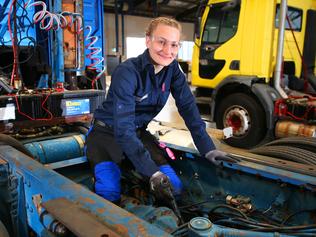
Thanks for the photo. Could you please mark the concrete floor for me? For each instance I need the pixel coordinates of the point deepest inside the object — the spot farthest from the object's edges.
(170, 114)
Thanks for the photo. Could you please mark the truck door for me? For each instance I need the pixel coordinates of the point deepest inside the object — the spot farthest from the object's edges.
(221, 25)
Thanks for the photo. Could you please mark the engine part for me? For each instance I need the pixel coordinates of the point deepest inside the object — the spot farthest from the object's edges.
(162, 217)
(240, 202)
(289, 128)
(200, 226)
(54, 150)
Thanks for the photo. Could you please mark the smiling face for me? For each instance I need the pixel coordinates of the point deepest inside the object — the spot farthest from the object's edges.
(163, 44)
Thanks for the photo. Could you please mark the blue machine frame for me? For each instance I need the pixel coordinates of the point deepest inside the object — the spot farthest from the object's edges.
(35, 185)
(41, 198)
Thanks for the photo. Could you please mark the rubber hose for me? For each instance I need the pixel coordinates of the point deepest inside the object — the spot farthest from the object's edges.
(8, 140)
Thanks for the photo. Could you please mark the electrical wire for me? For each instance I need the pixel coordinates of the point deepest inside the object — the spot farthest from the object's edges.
(198, 203)
(15, 56)
(42, 105)
(180, 229)
(285, 228)
(286, 219)
(240, 223)
(229, 207)
(22, 28)
(254, 222)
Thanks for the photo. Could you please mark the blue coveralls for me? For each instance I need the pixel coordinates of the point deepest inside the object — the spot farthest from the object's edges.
(135, 97)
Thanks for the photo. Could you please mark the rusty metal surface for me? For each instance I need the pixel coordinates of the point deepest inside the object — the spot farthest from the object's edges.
(82, 223)
(51, 185)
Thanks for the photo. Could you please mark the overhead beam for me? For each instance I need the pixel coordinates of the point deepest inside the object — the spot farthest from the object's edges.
(185, 13)
(137, 2)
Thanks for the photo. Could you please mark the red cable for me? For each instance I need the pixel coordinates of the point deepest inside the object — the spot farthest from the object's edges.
(42, 105)
(293, 116)
(14, 70)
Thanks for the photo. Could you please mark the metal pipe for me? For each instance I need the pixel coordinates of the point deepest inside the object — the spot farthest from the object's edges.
(58, 52)
(279, 57)
(123, 29)
(116, 28)
(79, 42)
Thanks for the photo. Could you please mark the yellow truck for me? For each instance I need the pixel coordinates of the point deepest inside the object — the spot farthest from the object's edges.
(254, 64)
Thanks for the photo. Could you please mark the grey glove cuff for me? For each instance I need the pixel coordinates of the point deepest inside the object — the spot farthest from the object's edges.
(213, 155)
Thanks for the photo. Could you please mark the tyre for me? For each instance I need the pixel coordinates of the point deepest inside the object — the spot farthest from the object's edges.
(247, 118)
(287, 153)
(305, 143)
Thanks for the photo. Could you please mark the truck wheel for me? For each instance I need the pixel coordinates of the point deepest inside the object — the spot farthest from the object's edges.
(247, 118)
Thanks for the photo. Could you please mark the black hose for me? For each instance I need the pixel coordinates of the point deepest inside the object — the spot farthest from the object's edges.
(285, 229)
(180, 227)
(286, 219)
(256, 223)
(8, 140)
(198, 203)
(234, 224)
(287, 153)
(229, 207)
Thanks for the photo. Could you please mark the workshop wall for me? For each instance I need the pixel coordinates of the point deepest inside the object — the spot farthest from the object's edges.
(134, 27)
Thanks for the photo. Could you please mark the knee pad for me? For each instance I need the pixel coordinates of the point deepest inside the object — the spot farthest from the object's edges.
(173, 177)
(108, 180)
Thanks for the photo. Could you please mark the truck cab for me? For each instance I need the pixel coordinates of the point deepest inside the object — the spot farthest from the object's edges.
(234, 61)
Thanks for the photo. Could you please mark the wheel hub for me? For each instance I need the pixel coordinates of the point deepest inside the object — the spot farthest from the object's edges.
(237, 118)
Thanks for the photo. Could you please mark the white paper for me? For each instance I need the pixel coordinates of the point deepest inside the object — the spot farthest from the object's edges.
(8, 112)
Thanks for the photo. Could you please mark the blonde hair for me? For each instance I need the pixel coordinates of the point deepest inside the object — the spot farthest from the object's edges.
(162, 20)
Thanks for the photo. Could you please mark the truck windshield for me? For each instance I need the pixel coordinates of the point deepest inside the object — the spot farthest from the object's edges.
(221, 25)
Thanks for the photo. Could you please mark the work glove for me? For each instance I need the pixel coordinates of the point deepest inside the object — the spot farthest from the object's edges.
(161, 187)
(216, 157)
